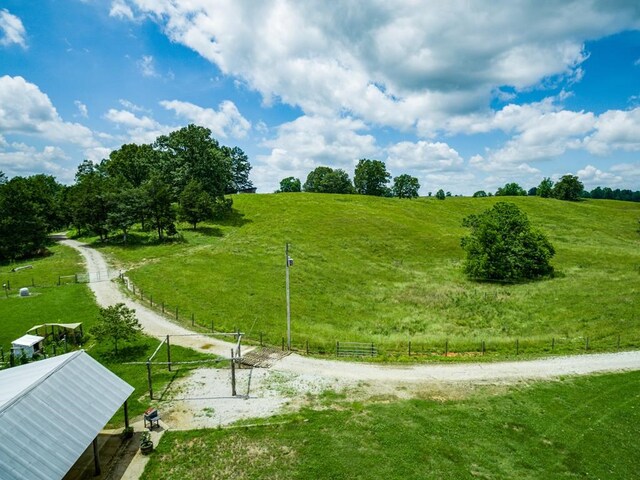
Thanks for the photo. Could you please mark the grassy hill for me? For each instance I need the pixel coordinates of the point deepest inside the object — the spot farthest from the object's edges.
(389, 271)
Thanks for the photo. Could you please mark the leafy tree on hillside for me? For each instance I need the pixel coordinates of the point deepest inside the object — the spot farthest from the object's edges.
(440, 195)
(131, 162)
(191, 153)
(195, 204)
(511, 190)
(3, 178)
(23, 229)
(405, 186)
(159, 209)
(240, 169)
(328, 180)
(290, 184)
(48, 196)
(569, 187)
(480, 193)
(126, 208)
(503, 246)
(545, 189)
(371, 178)
(91, 199)
(532, 192)
(116, 323)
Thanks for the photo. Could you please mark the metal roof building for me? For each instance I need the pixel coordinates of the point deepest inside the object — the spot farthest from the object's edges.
(51, 411)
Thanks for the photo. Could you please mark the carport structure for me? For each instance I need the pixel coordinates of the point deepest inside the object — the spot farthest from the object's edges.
(51, 411)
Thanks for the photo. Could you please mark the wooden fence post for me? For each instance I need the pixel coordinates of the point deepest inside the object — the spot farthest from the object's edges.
(233, 375)
(446, 347)
(168, 354)
(553, 344)
(149, 380)
(193, 320)
(409, 347)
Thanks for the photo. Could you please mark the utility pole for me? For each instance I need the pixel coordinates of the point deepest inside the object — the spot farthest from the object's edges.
(288, 263)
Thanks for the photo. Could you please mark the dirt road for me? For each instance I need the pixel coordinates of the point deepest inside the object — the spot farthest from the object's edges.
(107, 293)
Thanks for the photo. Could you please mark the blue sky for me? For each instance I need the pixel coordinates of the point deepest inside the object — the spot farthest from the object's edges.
(463, 95)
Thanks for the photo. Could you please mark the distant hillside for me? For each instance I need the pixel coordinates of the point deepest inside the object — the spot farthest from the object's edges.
(388, 270)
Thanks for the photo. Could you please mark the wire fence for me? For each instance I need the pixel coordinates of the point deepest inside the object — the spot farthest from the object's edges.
(411, 348)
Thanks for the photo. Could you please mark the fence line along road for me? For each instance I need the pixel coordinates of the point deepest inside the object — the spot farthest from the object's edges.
(108, 293)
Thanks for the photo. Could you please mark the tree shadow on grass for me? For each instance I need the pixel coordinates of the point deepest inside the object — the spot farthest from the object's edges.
(126, 353)
(208, 231)
(233, 219)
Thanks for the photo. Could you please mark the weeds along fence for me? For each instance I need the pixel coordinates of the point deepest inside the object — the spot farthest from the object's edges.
(435, 348)
(450, 348)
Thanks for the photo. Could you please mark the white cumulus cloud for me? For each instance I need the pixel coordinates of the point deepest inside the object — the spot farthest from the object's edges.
(224, 122)
(406, 64)
(24, 109)
(308, 142)
(12, 30)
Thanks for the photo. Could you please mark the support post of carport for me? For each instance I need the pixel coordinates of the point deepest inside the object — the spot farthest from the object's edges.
(126, 413)
(96, 457)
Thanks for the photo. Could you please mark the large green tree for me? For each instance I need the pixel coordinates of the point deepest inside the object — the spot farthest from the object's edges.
(158, 205)
(545, 189)
(371, 178)
(290, 184)
(240, 169)
(195, 204)
(191, 153)
(23, 226)
(328, 180)
(91, 199)
(132, 163)
(511, 190)
(126, 208)
(116, 323)
(569, 187)
(503, 246)
(405, 186)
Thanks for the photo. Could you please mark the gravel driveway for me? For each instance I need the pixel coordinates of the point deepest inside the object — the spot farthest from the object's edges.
(205, 395)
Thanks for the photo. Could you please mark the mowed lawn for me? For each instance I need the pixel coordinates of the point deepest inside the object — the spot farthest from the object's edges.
(48, 302)
(71, 303)
(389, 271)
(566, 429)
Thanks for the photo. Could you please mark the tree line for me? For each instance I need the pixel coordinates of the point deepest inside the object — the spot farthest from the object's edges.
(370, 178)
(184, 175)
(569, 187)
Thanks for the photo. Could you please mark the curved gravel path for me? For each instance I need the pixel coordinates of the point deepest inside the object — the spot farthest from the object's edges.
(107, 293)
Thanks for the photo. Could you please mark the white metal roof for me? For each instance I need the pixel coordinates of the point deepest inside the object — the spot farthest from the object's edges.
(50, 412)
(71, 326)
(27, 340)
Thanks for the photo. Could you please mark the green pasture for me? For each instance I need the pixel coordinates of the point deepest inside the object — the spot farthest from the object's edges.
(48, 302)
(571, 428)
(388, 271)
(70, 303)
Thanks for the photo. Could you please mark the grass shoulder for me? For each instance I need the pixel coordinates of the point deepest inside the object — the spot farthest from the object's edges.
(571, 427)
